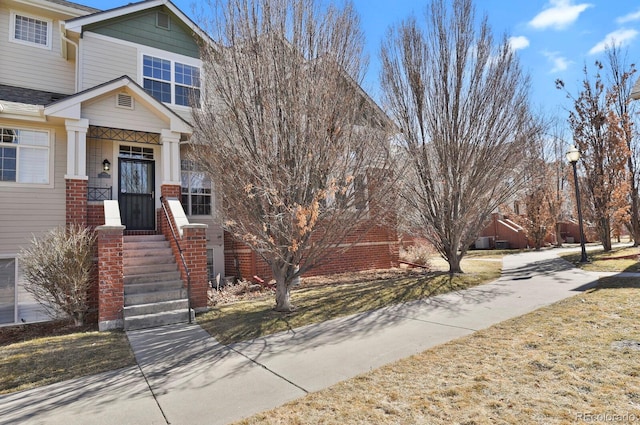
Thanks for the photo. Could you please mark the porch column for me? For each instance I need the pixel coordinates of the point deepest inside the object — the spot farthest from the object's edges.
(170, 141)
(76, 177)
(110, 277)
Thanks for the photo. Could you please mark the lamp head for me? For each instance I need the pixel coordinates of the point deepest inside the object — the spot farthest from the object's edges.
(573, 155)
(106, 165)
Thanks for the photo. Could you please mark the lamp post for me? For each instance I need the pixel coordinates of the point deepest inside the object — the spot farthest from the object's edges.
(573, 156)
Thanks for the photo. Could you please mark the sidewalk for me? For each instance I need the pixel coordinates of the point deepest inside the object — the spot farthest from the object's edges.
(186, 377)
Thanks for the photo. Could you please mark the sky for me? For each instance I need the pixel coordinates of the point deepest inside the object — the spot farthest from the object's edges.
(554, 38)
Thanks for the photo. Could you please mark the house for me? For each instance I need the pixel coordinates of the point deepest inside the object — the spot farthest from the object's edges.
(94, 125)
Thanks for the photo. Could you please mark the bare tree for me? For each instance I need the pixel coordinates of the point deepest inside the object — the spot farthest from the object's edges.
(461, 101)
(621, 79)
(599, 135)
(298, 152)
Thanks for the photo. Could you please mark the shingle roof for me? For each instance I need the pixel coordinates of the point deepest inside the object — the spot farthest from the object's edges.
(29, 96)
(74, 5)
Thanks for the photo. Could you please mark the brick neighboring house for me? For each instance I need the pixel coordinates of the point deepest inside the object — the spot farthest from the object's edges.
(94, 123)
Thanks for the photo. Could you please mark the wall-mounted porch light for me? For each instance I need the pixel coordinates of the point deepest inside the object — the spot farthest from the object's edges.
(106, 165)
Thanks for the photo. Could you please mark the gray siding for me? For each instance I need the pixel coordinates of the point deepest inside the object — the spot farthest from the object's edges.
(28, 211)
(104, 61)
(33, 67)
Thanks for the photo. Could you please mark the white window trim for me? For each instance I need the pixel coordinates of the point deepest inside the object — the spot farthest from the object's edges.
(172, 58)
(212, 195)
(50, 184)
(12, 30)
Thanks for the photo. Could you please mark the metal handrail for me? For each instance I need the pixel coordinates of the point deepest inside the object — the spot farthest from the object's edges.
(184, 263)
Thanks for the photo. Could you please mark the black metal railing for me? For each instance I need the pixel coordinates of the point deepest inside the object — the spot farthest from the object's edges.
(98, 193)
(184, 263)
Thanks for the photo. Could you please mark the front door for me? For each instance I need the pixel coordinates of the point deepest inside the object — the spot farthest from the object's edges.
(137, 203)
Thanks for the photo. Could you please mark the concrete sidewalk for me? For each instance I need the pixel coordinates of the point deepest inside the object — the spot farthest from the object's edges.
(187, 377)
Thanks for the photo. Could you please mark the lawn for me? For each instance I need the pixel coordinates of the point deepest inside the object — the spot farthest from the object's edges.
(29, 360)
(40, 354)
(572, 362)
(255, 318)
(616, 260)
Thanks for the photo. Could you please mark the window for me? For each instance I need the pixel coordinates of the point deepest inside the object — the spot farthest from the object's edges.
(170, 81)
(211, 269)
(196, 190)
(7, 290)
(31, 30)
(24, 156)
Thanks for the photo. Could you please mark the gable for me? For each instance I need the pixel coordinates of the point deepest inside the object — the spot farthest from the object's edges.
(105, 111)
(141, 27)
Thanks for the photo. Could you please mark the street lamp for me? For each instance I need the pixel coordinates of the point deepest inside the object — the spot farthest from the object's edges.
(573, 156)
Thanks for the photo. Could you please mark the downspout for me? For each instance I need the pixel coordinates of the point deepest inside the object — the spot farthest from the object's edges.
(77, 70)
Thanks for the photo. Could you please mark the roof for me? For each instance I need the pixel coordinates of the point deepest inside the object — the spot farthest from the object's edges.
(74, 5)
(29, 96)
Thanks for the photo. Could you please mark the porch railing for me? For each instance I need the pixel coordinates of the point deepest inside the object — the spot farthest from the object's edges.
(98, 193)
(184, 263)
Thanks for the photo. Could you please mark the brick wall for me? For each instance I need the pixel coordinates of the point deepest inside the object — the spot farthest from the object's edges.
(76, 204)
(95, 215)
(368, 246)
(194, 245)
(110, 277)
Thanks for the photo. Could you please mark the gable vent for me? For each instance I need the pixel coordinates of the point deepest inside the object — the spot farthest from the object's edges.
(163, 20)
(124, 100)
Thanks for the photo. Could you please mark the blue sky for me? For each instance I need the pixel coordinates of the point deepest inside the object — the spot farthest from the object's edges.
(554, 38)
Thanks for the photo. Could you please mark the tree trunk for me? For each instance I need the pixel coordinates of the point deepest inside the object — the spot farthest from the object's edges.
(283, 292)
(558, 235)
(605, 234)
(635, 219)
(454, 262)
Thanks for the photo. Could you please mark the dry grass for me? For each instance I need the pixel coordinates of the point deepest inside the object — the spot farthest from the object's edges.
(616, 260)
(38, 361)
(325, 299)
(556, 365)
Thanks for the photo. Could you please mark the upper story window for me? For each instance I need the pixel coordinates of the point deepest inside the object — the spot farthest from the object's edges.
(31, 30)
(171, 81)
(24, 156)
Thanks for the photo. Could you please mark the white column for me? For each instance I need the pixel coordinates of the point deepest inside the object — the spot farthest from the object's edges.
(170, 157)
(76, 148)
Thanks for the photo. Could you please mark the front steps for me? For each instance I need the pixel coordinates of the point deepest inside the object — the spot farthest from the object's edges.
(153, 290)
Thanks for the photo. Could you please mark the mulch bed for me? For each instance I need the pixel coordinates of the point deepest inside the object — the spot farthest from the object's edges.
(26, 332)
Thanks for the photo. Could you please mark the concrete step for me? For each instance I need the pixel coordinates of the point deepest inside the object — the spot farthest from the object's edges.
(130, 246)
(157, 319)
(154, 297)
(151, 277)
(148, 287)
(148, 260)
(139, 269)
(159, 307)
(144, 238)
(149, 252)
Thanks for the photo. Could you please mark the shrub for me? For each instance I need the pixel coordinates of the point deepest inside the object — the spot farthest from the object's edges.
(417, 254)
(58, 268)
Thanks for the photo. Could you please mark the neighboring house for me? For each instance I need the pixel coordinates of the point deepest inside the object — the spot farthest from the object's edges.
(94, 123)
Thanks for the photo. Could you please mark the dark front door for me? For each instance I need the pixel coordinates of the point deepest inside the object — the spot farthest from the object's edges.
(137, 204)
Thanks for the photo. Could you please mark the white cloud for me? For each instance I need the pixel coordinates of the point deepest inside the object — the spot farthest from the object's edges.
(629, 17)
(619, 37)
(519, 42)
(560, 63)
(559, 15)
